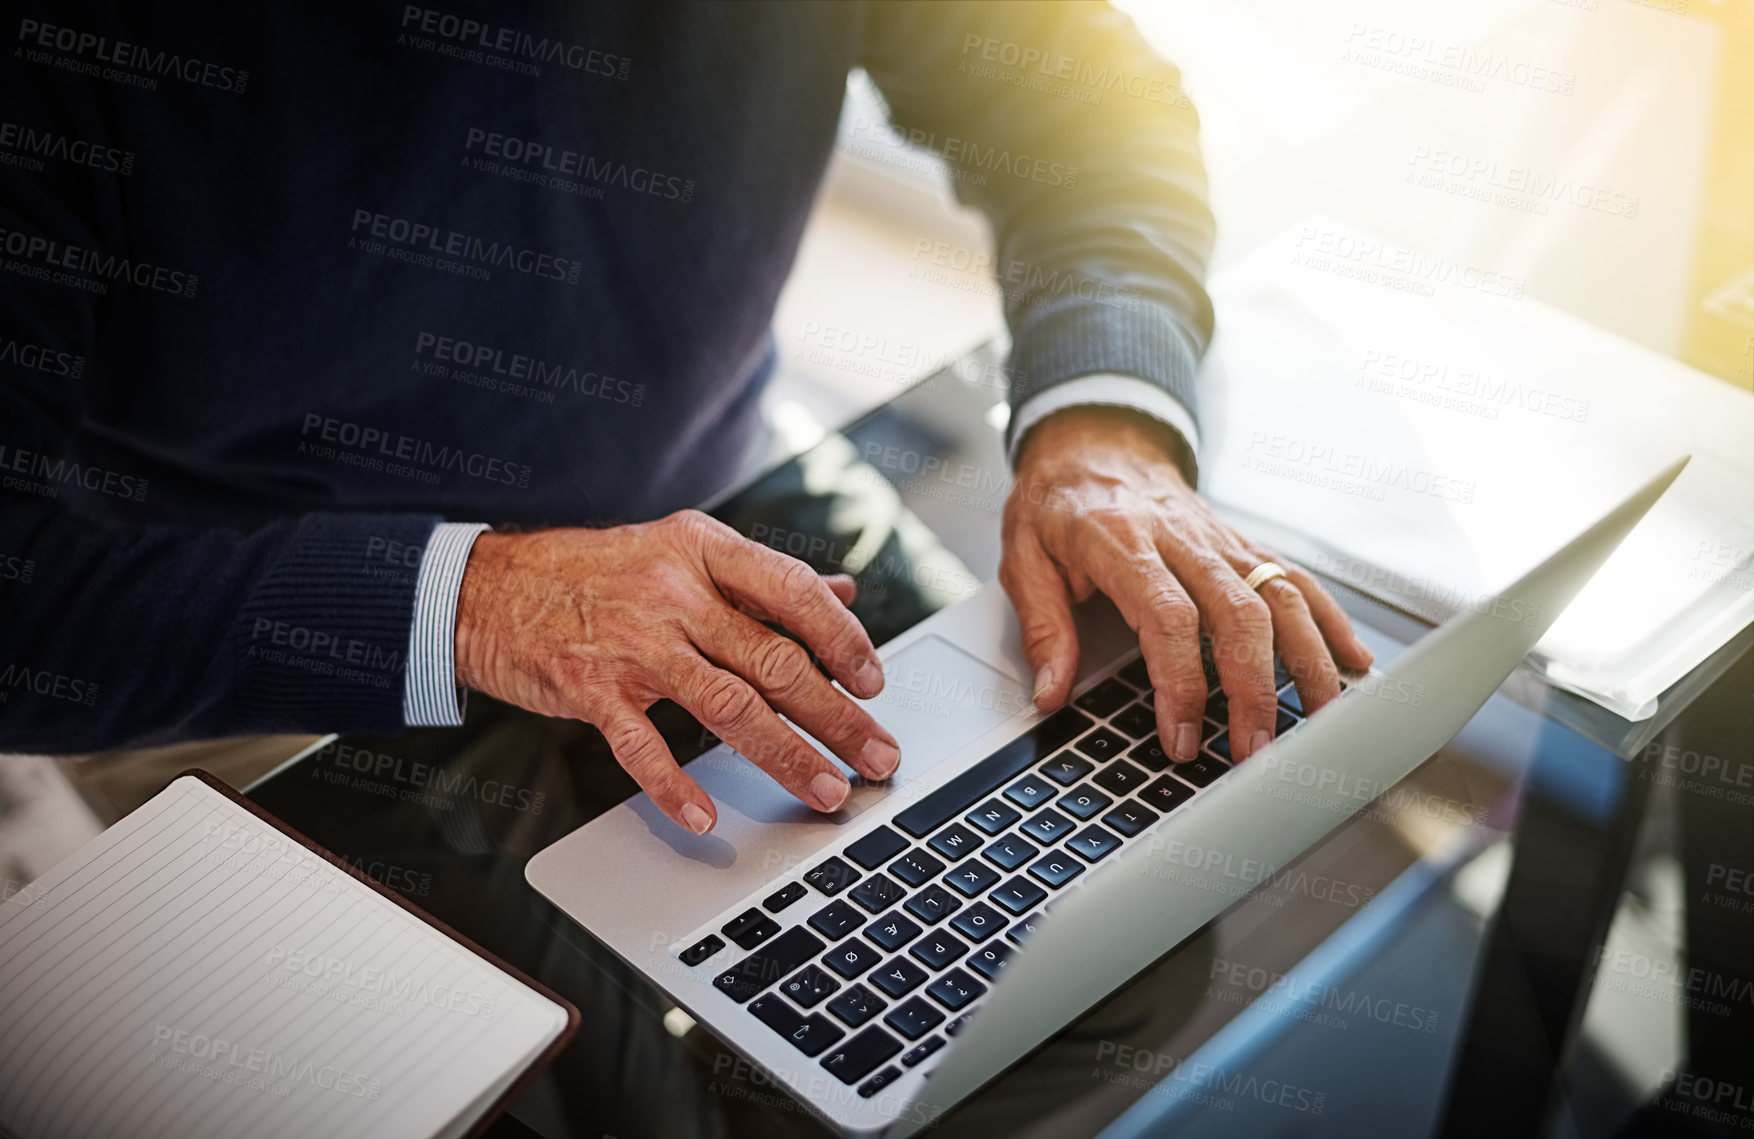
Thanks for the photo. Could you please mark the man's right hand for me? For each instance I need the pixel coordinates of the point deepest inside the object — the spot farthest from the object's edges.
(599, 625)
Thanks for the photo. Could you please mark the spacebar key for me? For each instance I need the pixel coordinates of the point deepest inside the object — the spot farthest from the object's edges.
(768, 964)
(973, 785)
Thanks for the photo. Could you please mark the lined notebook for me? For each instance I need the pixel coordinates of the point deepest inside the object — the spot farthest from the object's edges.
(196, 971)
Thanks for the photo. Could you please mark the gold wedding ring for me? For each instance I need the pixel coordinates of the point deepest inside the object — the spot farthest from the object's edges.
(1262, 574)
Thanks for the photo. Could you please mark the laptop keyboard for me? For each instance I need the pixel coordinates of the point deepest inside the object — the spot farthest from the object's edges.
(903, 930)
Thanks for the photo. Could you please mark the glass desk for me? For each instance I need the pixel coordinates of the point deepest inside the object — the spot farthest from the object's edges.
(1335, 999)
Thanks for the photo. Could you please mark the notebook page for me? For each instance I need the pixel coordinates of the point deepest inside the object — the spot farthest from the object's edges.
(192, 972)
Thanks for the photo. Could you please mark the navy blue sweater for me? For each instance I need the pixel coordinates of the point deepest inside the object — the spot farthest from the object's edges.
(281, 286)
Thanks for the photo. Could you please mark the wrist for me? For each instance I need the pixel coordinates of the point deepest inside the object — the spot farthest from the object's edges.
(483, 580)
(1093, 429)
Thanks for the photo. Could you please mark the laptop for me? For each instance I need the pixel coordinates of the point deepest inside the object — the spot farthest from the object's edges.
(883, 963)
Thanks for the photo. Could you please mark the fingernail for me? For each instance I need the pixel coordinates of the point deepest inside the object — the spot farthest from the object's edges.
(881, 759)
(696, 819)
(1187, 742)
(1044, 682)
(1259, 740)
(869, 678)
(830, 790)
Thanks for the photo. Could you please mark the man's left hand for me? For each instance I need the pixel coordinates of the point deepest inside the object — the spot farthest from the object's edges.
(1099, 504)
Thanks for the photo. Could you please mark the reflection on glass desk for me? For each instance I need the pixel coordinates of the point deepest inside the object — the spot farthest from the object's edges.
(1335, 998)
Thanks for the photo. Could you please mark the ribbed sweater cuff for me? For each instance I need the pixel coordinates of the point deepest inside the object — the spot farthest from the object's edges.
(1127, 334)
(322, 642)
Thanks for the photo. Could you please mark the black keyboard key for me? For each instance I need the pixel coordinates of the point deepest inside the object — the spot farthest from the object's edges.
(1219, 745)
(938, 949)
(1218, 708)
(1121, 778)
(916, 867)
(922, 1050)
(1138, 721)
(1020, 931)
(1010, 852)
(1167, 794)
(990, 960)
(1200, 770)
(1106, 698)
(1284, 721)
(1130, 818)
(832, 877)
(1084, 802)
(1047, 826)
(857, 1005)
(955, 989)
(933, 904)
(783, 897)
(892, 931)
(897, 976)
(914, 1019)
(876, 848)
(766, 965)
(955, 841)
(878, 892)
(750, 928)
(1281, 677)
(1137, 674)
(978, 922)
(880, 1081)
(808, 1034)
(851, 957)
(701, 950)
(1103, 745)
(1018, 895)
(1150, 755)
(1289, 698)
(971, 878)
(1066, 768)
(1030, 792)
(960, 795)
(1092, 843)
(810, 986)
(956, 1023)
(835, 920)
(993, 816)
(853, 1060)
(1059, 729)
(1056, 868)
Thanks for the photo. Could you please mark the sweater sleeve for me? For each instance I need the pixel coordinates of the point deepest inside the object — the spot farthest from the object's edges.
(1080, 145)
(115, 634)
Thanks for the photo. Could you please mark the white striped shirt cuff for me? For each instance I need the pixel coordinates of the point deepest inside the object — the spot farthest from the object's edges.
(1109, 389)
(430, 696)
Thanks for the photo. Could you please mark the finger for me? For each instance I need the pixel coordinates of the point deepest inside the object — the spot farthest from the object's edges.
(845, 589)
(1127, 567)
(642, 752)
(781, 671)
(1300, 644)
(730, 709)
(1336, 627)
(1242, 638)
(1044, 613)
(800, 600)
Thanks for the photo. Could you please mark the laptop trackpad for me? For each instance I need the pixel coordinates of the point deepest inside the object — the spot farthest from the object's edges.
(936, 700)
